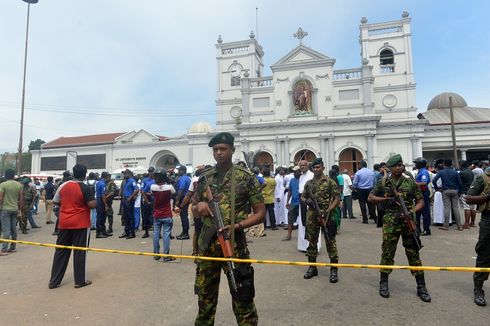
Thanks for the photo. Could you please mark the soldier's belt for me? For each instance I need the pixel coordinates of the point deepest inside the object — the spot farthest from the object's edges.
(259, 261)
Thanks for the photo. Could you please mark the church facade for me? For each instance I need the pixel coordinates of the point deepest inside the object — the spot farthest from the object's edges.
(305, 109)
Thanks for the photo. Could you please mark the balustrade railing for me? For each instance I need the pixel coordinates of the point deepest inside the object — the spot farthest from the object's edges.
(347, 74)
(261, 82)
(385, 30)
(241, 49)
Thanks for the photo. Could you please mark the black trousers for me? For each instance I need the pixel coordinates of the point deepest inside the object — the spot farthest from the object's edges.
(147, 215)
(272, 215)
(75, 237)
(101, 215)
(128, 216)
(363, 196)
(482, 247)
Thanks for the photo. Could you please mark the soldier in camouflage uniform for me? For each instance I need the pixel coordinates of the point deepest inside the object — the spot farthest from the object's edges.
(326, 193)
(219, 180)
(110, 192)
(479, 193)
(29, 194)
(393, 224)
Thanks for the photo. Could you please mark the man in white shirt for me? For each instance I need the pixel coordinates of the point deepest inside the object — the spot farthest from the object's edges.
(306, 175)
(280, 198)
(347, 190)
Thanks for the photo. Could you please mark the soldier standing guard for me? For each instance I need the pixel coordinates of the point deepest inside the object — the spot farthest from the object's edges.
(479, 193)
(223, 180)
(393, 224)
(109, 194)
(326, 192)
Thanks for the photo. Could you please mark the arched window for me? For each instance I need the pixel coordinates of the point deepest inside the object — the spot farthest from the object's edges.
(304, 154)
(263, 159)
(349, 160)
(387, 61)
(167, 161)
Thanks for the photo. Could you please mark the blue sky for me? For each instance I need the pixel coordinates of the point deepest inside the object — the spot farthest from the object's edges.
(120, 65)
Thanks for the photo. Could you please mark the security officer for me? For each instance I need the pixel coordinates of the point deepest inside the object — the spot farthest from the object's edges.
(479, 193)
(326, 193)
(109, 194)
(422, 179)
(223, 180)
(394, 226)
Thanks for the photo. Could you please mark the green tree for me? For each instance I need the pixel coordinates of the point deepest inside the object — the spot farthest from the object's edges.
(36, 144)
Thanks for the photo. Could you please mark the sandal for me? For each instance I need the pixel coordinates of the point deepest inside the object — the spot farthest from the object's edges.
(77, 286)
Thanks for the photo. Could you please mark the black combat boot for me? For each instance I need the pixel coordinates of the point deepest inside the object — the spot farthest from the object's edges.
(334, 277)
(146, 235)
(479, 294)
(312, 270)
(384, 290)
(421, 289)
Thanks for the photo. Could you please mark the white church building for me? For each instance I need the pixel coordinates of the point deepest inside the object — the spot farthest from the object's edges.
(305, 109)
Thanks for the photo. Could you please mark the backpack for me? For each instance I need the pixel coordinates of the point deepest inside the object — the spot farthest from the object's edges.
(92, 186)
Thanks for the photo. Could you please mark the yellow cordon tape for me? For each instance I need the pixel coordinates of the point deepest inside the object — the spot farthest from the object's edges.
(258, 261)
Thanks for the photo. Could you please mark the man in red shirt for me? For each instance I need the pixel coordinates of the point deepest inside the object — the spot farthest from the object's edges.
(162, 193)
(75, 200)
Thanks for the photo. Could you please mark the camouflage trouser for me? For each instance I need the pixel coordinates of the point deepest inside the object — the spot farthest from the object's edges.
(312, 234)
(391, 233)
(22, 217)
(208, 275)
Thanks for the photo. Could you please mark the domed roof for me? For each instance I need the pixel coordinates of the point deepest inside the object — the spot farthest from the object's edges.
(441, 101)
(200, 127)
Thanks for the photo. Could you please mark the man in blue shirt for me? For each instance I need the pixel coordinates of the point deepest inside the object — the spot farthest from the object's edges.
(129, 193)
(364, 183)
(422, 179)
(293, 201)
(49, 191)
(452, 188)
(101, 215)
(147, 201)
(183, 188)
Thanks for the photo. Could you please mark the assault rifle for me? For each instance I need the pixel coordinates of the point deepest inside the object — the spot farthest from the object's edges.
(405, 215)
(223, 239)
(322, 219)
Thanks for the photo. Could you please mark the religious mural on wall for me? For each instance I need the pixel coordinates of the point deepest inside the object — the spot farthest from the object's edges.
(302, 98)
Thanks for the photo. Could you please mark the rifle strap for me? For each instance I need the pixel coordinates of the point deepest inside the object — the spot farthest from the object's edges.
(232, 207)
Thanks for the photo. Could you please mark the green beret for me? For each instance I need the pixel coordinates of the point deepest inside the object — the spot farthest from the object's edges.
(317, 161)
(393, 160)
(222, 138)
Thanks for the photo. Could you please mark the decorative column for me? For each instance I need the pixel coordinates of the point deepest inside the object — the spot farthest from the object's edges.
(370, 150)
(323, 152)
(278, 157)
(367, 87)
(287, 159)
(245, 82)
(330, 151)
(415, 148)
(463, 154)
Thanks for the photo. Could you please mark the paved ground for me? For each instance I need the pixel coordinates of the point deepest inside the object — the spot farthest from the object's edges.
(130, 290)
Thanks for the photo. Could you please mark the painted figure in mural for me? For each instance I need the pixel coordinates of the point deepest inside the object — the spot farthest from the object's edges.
(302, 97)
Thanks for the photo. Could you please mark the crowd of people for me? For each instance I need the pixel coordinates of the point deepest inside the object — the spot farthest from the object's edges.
(302, 197)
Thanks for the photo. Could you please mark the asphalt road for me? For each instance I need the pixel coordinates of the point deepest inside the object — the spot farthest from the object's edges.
(130, 290)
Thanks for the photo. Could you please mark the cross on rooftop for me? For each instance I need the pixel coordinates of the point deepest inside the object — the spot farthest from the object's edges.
(300, 35)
